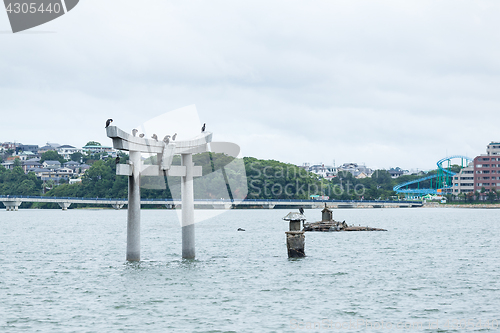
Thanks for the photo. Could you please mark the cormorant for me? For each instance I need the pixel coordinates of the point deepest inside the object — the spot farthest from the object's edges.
(117, 160)
(166, 139)
(109, 121)
(134, 132)
(154, 136)
(141, 135)
(301, 210)
(173, 138)
(240, 229)
(203, 128)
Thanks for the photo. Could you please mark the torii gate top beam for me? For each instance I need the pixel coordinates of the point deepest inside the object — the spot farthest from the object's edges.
(128, 142)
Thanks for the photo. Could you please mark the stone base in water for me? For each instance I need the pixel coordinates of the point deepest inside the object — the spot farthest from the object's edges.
(332, 225)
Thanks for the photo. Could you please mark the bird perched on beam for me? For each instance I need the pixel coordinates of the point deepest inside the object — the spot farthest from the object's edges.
(109, 121)
(203, 128)
(155, 137)
(141, 135)
(134, 132)
(173, 138)
(166, 139)
(301, 210)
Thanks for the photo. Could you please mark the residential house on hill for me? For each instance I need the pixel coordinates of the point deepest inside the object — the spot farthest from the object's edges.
(66, 150)
(8, 165)
(354, 169)
(83, 168)
(48, 147)
(27, 148)
(72, 165)
(29, 164)
(52, 165)
(10, 145)
(100, 149)
(397, 172)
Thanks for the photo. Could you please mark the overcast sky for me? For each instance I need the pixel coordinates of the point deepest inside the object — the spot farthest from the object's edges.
(385, 83)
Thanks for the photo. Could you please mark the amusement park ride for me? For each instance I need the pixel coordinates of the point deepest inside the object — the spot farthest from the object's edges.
(440, 183)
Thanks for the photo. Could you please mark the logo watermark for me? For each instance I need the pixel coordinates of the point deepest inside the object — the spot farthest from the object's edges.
(24, 15)
(223, 170)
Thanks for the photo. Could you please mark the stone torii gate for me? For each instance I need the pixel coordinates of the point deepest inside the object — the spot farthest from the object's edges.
(135, 169)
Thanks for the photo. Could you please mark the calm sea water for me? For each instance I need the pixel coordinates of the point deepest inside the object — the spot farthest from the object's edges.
(66, 272)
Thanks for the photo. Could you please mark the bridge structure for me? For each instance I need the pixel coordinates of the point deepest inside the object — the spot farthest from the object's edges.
(12, 203)
(439, 183)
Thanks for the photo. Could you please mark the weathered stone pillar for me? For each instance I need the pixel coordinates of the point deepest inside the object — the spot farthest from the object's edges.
(295, 243)
(187, 192)
(134, 209)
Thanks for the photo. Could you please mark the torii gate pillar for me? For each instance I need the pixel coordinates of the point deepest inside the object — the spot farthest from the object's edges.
(134, 209)
(188, 243)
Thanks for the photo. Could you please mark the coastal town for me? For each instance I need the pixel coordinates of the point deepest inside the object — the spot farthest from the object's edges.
(479, 176)
(71, 165)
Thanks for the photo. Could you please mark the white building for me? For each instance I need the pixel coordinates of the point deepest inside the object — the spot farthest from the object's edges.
(66, 150)
(463, 182)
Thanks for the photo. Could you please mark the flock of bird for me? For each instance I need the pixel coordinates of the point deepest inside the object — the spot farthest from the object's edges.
(166, 139)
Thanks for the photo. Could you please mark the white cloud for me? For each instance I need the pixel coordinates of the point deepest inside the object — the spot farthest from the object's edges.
(386, 83)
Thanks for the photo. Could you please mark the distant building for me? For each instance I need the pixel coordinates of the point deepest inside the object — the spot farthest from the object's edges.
(48, 147)
(487, 169)
(10, 145)
(361, 175)
(25, 155)
(52, 165)
(8, 165)
(324, 171)
(354, 169)
(72, 165)
(64, 172)
(397, 172)
(66, 151)
(30, 164)
(27, 148)
(97, 149)
(463, 182)
(83, 168)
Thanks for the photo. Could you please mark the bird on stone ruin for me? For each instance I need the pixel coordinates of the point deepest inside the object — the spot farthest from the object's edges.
(175, 136)
(134, 132)
(166, 139)
(141, 135)
(109, 121)
(155, 137)
(203, 128)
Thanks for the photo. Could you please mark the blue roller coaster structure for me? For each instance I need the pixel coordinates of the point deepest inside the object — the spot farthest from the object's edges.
(442, 179)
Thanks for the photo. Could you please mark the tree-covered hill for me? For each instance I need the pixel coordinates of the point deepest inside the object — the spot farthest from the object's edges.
(224, 177)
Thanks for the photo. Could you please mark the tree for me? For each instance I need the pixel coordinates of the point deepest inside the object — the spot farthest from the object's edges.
(492, 195)
(51, 155)
(77, 157)
(93, 143)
